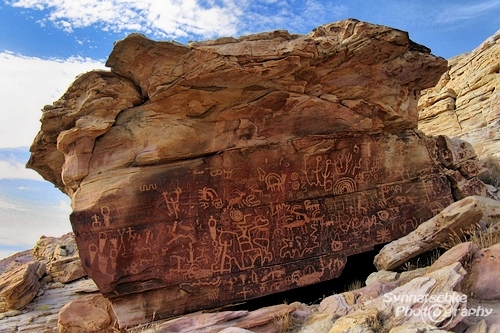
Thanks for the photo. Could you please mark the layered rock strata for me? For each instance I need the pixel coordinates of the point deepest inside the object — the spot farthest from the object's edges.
(225, 170)
(465, 103)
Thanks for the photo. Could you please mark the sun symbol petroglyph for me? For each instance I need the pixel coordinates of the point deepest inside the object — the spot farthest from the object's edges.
(383, 235)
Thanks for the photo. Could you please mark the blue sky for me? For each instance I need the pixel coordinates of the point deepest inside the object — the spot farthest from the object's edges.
(45, 44)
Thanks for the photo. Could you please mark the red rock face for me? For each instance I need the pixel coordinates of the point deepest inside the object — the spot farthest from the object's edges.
(226, 170)
(247, 223)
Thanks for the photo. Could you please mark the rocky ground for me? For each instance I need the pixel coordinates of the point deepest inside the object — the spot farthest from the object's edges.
(456, 291)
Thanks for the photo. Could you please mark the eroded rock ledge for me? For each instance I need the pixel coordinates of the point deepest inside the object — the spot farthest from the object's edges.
(225, 170)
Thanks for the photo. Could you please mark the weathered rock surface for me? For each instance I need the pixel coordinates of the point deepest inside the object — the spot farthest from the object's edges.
(465, 103)
(461, 253)
(91, 314)
(41, 315)
(225, 170)
(485, 271)
(19, 285)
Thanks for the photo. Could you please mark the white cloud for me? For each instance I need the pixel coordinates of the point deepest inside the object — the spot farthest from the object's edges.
(4, 205)
(29, 83)
(13, 170)
(64, 207)
(164, 18)
(22, 223)
(186, 19)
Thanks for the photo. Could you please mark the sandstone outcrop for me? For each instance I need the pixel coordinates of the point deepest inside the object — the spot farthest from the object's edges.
(465, 103)
(225, 170)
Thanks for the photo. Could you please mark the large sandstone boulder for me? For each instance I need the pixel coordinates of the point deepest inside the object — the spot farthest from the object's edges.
(20, 284)
(465, 103)
(61, 256)
(458, 220)
(91, 314)
(224, 170)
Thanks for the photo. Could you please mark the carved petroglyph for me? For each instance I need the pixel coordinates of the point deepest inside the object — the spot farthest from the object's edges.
(251, 230)
(148, 187)
(274, 181)
(208, 196)
(172, 201)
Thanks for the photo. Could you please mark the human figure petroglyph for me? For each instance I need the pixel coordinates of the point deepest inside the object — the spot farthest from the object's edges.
(106, 214)
(92, 252)
(321, 173)
(173, 202)
(103, 237)
(226, 241)
(343, 163)
(259, 232)
(370, 170)
(243, 246)
(95, 221)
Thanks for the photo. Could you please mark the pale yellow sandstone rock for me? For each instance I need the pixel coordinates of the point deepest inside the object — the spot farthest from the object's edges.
(317, 323)
(67, 269)
(20, 285)
(359, 321)
(466, 101)
(381, 275)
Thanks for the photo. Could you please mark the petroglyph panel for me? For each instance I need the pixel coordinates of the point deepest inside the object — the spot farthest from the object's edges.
(250, 216)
